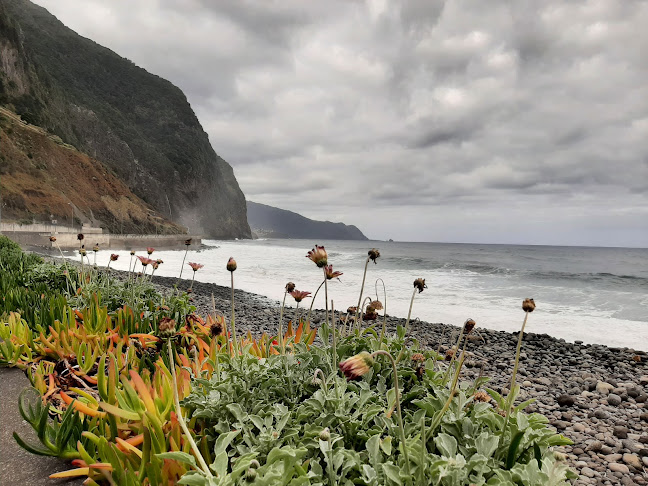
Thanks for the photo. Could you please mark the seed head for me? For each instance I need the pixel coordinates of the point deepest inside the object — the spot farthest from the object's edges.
(450, 353)
(356, 366)
(370, 313)
(95, 248)
(290, 286)
(80, 237)
(166, 328)
(376, 304)
(469, 325)
(231, 264)
(374, 254)
(419, 284)
(114, 257)
(188, 241)
(325, 435)
(318, 255)
(132, 252)
(52, 239)
(82, 252)
(418, 357)
(528, 305)
(216, 329)
(482, 396)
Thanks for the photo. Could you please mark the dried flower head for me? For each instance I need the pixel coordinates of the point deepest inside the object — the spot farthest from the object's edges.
(188, 241)
(419, 284)
(195, 266)
(159, 261)
(155, 265)
(449, 354)
(330, 274)
(80, 236)
(231, 264)
(352, 309)
(290, 286)
(636, 358)
(114, 257)
(132, 252)
(370, 313)
(418, 357)
(82, 252)
(216, 329)
(469, 325)
(374, 254)
(356, 366)
(376, 304)
(318, 255)
(482, 396)
(299, 295)
(166, 327)
(150, 250)
(52, 239)
(95, 248)
(528, 305)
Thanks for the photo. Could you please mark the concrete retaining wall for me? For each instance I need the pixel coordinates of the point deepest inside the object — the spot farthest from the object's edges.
(120, 242)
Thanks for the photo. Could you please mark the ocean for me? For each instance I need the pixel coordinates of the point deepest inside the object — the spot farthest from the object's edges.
(595, 295)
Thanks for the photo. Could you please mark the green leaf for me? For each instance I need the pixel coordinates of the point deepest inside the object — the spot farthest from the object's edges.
(386, 445)
(446, 444)
(178, 456)
(392, 473)
(486, 444)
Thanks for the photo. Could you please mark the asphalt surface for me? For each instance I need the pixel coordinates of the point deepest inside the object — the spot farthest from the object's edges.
(17, 466)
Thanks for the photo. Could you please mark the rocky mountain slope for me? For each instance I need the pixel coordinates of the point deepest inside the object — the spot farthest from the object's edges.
(137, 124)
(42, 178)
(271, 222)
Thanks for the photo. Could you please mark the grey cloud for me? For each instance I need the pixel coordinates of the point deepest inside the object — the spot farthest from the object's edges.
(435, 114)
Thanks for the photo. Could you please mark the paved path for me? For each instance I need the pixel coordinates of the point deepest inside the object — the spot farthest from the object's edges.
(17, 466)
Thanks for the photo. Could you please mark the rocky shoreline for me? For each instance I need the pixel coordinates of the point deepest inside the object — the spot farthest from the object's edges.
(595, 395)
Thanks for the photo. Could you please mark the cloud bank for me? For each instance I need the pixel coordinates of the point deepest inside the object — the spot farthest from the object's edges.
(416, 120)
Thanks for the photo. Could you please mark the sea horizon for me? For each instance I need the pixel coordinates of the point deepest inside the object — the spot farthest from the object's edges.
(581, 292)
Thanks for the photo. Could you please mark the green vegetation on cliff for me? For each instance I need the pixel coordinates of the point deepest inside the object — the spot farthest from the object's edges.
(138, 124)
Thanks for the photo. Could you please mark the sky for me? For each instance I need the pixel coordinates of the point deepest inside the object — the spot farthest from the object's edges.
(417, 120)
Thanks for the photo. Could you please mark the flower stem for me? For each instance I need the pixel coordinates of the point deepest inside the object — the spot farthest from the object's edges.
(384, 327)
(409, 314)
(183, 262)
(364, 276)
(181, 421)
(313, 301)
(398, 406)
(280, 335)
(511, 395)
(452, 360)
(233, 319)
(192, 281)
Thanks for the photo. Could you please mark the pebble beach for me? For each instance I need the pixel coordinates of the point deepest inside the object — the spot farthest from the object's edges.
(595, 395)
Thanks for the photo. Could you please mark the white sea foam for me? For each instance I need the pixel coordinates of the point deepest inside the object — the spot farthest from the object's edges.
(567, 307)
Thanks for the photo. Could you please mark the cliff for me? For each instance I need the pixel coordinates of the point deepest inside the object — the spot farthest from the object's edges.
(271, 222)
(138, 125)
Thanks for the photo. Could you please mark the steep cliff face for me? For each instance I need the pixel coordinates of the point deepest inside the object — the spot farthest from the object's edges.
(136, 123)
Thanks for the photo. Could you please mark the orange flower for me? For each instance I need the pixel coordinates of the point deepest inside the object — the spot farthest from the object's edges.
(318, 255)
(195, 266)
(330, 274)
(356, 366)
(299, 295)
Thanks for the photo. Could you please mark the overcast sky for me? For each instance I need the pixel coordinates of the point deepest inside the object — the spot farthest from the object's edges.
(421, 120)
